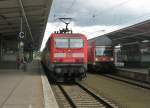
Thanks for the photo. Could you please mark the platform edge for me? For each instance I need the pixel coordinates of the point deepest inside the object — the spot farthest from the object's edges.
(49, 98)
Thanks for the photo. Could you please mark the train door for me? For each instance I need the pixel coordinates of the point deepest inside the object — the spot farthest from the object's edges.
(118, 57)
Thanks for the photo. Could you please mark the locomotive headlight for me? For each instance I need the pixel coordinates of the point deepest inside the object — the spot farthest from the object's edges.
(96, 59)
(94, 63)
(111, 59)
(55, 60)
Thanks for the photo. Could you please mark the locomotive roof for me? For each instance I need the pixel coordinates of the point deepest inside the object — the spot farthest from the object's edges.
(74, 34)
(99, 46)
(101, 41)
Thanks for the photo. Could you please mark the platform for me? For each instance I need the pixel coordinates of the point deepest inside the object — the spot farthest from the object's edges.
(134, 73)
(30, 89)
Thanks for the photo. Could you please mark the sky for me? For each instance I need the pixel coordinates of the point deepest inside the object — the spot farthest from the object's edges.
(96, 17)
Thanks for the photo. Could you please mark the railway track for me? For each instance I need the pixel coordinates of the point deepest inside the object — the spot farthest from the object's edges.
(129, 81)
(77, 96)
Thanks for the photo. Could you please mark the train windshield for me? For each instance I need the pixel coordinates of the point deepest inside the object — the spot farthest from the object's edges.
(61, 43)
(76, 43)
(103, 51)
(68, 43)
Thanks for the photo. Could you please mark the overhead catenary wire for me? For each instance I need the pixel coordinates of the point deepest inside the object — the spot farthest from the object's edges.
(138, 17)
(69, 9)
(108, 9)
(128, 21)
(54, 15)
(134, 20)
(116, 6)
(111, 8)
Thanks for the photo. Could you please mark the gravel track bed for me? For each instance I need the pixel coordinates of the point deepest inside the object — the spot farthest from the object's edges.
(126, 95)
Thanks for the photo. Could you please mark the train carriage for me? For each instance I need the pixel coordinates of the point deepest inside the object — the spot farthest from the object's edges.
(100, 58)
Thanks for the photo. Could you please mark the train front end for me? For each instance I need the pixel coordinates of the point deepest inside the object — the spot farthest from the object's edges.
(104, 58)
(101, 58)
(69, 56)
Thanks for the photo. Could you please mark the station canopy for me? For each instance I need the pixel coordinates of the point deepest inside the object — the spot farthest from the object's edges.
(136, 33)
(34, 15)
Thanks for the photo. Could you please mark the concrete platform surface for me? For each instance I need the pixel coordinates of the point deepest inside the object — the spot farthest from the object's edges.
(19, 89)
(137, 70)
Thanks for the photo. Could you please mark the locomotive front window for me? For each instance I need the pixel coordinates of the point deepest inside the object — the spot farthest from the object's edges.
(76, 43)
(61, 43)
(104, 52)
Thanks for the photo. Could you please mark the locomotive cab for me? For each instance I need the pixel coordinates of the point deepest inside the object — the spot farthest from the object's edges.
(103, 54)
(101, 58)
(70, 53)
(65, 56)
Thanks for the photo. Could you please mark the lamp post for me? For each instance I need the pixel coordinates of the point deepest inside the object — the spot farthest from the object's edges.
(21, 43)
(21, 47)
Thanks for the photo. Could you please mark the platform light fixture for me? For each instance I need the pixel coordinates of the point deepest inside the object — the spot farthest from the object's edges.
(118, 46)
(21, 44)
(145, 41)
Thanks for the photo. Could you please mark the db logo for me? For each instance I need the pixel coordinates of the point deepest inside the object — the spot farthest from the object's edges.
(69, 55)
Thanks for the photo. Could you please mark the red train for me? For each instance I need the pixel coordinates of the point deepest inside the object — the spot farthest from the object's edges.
(65, 55)
(100, 58)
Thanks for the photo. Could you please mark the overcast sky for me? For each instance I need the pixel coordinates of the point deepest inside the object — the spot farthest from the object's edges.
(96, 17)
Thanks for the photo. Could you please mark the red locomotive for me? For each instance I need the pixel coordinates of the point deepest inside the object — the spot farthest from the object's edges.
(65, 55)
(100, 58)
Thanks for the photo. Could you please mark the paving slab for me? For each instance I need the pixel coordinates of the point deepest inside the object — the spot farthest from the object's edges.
(19, 89)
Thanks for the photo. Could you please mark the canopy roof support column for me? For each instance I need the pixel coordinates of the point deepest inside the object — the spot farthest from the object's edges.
(26, 20)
